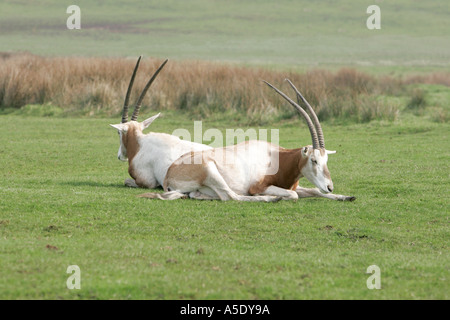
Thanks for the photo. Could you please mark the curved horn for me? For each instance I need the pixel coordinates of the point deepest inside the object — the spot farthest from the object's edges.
(127, 97)
(149, 83)
(312, 130)
(313, 114)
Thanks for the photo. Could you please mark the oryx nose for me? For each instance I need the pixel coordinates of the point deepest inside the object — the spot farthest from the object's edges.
(330, 187)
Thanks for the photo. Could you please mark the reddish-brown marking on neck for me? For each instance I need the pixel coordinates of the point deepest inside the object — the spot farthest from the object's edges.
(290, 164)
(130, 141)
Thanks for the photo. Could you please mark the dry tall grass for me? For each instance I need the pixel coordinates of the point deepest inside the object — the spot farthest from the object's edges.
(91, 86)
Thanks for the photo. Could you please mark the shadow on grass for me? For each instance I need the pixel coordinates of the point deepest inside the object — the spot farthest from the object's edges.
(92, 184)
(104, 185)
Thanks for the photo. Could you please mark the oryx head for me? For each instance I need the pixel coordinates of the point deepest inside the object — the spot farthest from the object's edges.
(314, 165)
(126, 126)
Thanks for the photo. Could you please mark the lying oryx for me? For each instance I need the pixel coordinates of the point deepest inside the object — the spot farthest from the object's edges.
(150, 155)
(253, 168)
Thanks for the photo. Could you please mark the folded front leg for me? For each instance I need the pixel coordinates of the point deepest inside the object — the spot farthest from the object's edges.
(280, 192)
(131, 183)
(315, 192)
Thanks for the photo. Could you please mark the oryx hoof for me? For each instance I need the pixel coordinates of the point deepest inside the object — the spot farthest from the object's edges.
(130, 183)
(276, 199)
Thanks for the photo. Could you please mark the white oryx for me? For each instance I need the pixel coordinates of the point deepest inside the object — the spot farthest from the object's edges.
(254, 168)
(149, 155)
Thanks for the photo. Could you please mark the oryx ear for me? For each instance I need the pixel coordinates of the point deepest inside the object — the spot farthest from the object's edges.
(149, 121)
(330, 152)
(120, 126)
(305, 151)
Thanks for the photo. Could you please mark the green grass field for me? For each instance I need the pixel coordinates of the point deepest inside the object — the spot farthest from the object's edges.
(62, 199)
(278, 34)
(63, 203)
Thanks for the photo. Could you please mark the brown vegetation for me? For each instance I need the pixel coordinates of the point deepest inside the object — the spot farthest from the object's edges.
(89, 86)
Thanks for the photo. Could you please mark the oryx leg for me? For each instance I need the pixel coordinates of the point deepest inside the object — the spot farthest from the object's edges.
(216, 182)
(130, 183)
(170, 195)
(201, 195)
(147, 182)
(133, 184)
(280, 192)
(315, 192)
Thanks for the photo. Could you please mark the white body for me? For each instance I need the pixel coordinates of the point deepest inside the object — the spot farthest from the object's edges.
(240, 166)
(157, 151)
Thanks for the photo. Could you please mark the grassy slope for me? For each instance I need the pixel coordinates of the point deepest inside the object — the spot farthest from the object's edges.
(62, 187)
(290, 34)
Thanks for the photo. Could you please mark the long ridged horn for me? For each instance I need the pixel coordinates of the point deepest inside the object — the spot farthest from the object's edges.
(127, 97)
(313, 114)
(305, 115)
(149, 83)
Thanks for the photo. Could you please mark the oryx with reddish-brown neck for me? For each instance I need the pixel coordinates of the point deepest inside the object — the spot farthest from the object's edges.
(149, 155)
(254, 167)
